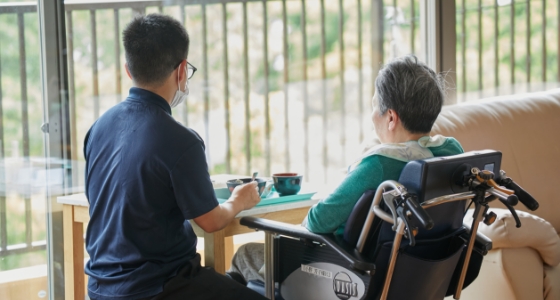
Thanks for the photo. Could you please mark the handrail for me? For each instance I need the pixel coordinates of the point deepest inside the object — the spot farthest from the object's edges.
(17, 7)
(26, 7)
(376, 44)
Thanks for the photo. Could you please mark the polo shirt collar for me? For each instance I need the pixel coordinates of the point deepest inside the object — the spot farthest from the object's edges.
(145, 96)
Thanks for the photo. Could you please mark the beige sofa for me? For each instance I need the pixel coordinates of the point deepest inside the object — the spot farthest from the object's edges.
(526, 129)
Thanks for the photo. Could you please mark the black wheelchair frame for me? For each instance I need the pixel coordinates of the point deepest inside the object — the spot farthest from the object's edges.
(422, 207)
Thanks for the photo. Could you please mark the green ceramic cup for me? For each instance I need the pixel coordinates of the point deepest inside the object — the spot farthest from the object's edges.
(287, 183)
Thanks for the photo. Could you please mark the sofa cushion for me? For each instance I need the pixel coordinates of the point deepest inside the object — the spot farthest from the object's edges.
(525, 129)
(534, 232)
(551, 288)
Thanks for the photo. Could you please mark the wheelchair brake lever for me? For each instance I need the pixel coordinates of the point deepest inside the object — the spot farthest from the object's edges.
(419, 212)
(513, 213)
(509, 201)
(389, 198)
(409, 231)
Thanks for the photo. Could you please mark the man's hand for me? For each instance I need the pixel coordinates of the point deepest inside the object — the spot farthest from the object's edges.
(246, 194)
(243, 197)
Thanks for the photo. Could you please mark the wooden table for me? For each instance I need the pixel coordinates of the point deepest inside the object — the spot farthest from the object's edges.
(218, 246)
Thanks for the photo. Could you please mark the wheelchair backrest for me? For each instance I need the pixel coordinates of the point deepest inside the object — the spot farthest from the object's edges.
(441, 176)
(428, 179)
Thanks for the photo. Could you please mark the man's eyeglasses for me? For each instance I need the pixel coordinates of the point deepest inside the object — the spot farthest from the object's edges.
(190, 69)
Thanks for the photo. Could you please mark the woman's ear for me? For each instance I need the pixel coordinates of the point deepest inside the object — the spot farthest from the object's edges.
(392, 119)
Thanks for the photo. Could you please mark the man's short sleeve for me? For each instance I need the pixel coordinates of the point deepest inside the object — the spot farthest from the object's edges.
(191, 183)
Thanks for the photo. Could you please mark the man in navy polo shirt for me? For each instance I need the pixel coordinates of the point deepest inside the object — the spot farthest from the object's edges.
(146, 176)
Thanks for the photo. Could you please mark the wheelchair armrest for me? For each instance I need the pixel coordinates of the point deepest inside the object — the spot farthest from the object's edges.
(356, 260)
(482, 244)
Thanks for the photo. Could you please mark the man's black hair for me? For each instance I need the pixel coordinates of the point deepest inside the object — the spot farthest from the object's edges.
(154, 46)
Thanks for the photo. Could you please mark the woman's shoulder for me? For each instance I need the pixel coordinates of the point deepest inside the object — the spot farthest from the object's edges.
(449, 146)
(375, 162)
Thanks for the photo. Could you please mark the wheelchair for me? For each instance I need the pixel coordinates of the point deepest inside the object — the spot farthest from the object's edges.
(406, 240)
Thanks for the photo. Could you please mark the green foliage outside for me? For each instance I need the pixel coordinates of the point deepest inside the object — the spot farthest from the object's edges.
(11, 89)
(468, 69)
(11, 83)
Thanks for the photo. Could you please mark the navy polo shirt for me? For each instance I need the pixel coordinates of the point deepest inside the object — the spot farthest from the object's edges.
(146, 175)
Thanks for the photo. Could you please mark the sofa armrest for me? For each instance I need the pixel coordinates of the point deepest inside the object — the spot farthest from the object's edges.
(535, 233)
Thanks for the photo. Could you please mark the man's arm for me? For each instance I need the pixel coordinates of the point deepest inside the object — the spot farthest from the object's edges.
(243, 197)
(195, 194)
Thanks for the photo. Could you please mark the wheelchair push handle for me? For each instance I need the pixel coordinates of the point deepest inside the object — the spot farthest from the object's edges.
(507, 200)
(512, 191)
(425, 219)
(523, 196)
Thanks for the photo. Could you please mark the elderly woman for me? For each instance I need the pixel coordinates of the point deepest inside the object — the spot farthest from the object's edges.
(409, 96)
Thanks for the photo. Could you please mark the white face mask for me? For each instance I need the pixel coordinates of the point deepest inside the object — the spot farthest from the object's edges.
(180, 96)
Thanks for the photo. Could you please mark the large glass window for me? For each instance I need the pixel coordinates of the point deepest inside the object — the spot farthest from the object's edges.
(23, 176)
(283, 85)
(506, 47)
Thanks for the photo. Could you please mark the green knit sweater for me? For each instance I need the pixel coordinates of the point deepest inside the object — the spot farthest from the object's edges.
(330, 214)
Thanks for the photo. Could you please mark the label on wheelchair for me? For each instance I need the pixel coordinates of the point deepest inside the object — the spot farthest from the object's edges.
(315, 271)
(320, 280)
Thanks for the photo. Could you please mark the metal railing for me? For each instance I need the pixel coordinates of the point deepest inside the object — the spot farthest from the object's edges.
(140, 7)
(28, 245)
(375, 25)
(360, 49)
(524, 60)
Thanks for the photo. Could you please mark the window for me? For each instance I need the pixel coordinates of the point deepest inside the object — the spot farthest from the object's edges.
(281, 86)
(506, 47)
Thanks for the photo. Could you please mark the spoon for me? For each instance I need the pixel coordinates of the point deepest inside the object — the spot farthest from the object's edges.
(254, 176)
